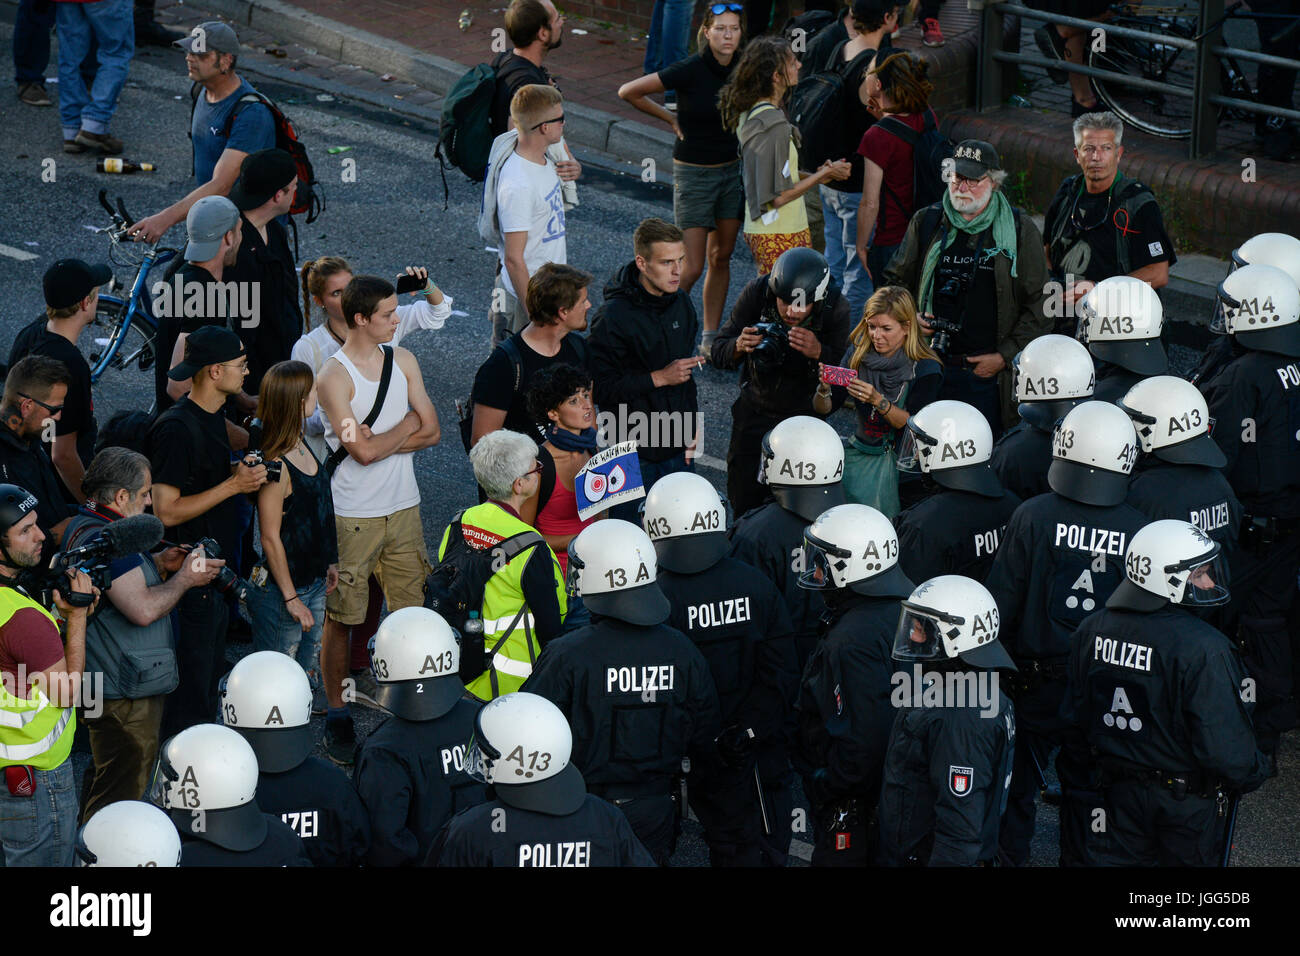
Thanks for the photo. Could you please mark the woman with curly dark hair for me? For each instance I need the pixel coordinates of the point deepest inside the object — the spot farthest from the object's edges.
(750, 103)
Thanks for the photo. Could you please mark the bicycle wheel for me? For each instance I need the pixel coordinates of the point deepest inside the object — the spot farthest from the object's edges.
(110, 346)
(1149, 59)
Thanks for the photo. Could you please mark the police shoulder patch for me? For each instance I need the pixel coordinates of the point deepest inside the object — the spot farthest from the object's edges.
(960, 780)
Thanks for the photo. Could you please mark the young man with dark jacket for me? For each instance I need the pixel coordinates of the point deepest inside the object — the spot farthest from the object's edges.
(643, 356)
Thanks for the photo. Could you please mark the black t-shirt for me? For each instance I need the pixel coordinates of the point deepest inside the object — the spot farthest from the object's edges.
(856, 118)
(182, 309)
(188, 449)
(513, 71)
(79, 407)
(274, 322)
(1102, 224)
(975, 303)
(697, 80)
(494, 384)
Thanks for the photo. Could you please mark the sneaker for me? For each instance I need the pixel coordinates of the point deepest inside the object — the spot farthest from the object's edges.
(1052, 46)
(320, 705)
(931, 35)
(34, 94)
(365, 689)
(340, 742)
(100, 141)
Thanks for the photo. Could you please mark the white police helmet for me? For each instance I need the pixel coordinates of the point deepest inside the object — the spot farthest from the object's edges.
(1261, 307)
(1275, 249)
(1172, 421)
(1120, 320)
(855, 547)
(1171, 561)
(612, 565)
(1093, 451)
(952, 443)
(267, 698)
(687, 521)
(1051, 375)
(206, 780)
(522, 747)
(415, 657)
(129, 833)
(803, 463)
(951, 616)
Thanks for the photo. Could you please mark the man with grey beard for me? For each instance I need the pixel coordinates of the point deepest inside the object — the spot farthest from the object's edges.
(975, 265)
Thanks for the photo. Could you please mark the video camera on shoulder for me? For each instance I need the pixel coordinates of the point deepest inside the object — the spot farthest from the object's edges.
(117, 539)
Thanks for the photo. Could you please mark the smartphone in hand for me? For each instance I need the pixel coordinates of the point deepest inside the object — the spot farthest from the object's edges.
(409, 283)
(837, 375)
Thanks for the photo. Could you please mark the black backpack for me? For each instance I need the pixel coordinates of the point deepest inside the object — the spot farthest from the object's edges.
(807, 25)
(456, 585)
(817, 109)
(932, 153)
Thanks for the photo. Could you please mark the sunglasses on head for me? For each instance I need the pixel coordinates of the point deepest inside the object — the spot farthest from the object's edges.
(720, 8)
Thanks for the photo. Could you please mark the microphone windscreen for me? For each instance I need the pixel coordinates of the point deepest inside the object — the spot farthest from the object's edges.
(130, 535)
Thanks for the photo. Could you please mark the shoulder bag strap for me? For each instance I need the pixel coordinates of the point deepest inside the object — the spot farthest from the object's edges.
(385, 377)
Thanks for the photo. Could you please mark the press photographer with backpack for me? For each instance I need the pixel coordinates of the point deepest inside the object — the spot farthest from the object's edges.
(494, 567)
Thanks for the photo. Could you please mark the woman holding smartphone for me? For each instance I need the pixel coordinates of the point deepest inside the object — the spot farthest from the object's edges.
(708, 194)
(299, 564)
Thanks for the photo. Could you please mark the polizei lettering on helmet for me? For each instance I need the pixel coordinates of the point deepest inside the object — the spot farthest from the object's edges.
(638, 680)
(577, 853)
(718, 613)
(1122, 654)
(1091, 540)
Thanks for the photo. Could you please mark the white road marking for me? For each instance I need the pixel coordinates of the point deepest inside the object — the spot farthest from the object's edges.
(22, 255)
(708, 461)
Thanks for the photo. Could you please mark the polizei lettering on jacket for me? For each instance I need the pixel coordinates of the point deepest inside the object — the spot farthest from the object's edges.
(639, 680)
(1212, 518)
(1091, 540)
(718, 613)
(1122, 654)
(576, 853)
(986, 542)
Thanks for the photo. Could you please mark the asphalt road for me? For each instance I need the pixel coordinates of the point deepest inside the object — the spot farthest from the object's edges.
(391, 216)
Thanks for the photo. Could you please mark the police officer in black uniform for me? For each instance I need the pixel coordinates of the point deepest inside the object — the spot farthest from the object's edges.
(410, 771)
(637, 693)
(845, 713)
(266, 698)
(1120, 320)
(1061, 557)
(539, 812)
(956, 530)
(1158, 693)
(206, 780)
(1255, 402)
(1051, 375)
(950, 750)
(803, 462)
(738, 620)
(782, 326)
(1178, 475)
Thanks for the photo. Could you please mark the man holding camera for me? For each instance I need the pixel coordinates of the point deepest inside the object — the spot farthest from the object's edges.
(41, 682)
(129, 641)
(781, 328)
(976, 266)
(195, 494)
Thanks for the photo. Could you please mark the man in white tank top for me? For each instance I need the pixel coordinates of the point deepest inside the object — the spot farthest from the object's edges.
(376, 500)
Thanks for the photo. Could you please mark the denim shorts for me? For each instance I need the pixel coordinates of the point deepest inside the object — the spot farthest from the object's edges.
(274, 628)
(704, 194)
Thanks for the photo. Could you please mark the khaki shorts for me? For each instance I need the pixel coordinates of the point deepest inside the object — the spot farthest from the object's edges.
(392, 549)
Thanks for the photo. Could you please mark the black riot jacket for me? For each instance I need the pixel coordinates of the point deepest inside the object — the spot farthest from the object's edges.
(1021, 459)
(952, 532)
(321, 805)
(282, 847)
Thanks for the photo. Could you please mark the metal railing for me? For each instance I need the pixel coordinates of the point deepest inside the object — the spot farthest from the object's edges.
(1207, 47)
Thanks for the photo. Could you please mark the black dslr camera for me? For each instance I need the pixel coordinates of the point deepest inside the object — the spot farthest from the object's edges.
(226, 581)
(770, 352)
(943, 331)
(273, 468)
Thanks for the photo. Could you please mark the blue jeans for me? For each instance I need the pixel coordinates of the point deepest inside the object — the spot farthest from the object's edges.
(670, 33)
(274, 629)
(111, 23)
(41, 830)
(841, 231)
(651, 471)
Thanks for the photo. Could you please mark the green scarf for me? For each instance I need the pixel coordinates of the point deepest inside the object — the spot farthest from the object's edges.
(998, 214)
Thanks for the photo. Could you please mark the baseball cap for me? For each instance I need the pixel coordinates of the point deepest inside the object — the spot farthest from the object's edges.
(213, 35)
(207, 345)
(209, 219)
(69, 281)
(262, 175)
(974, 158)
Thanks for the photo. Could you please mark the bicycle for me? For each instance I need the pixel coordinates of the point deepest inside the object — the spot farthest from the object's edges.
(130, 318)
(1155, 112)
